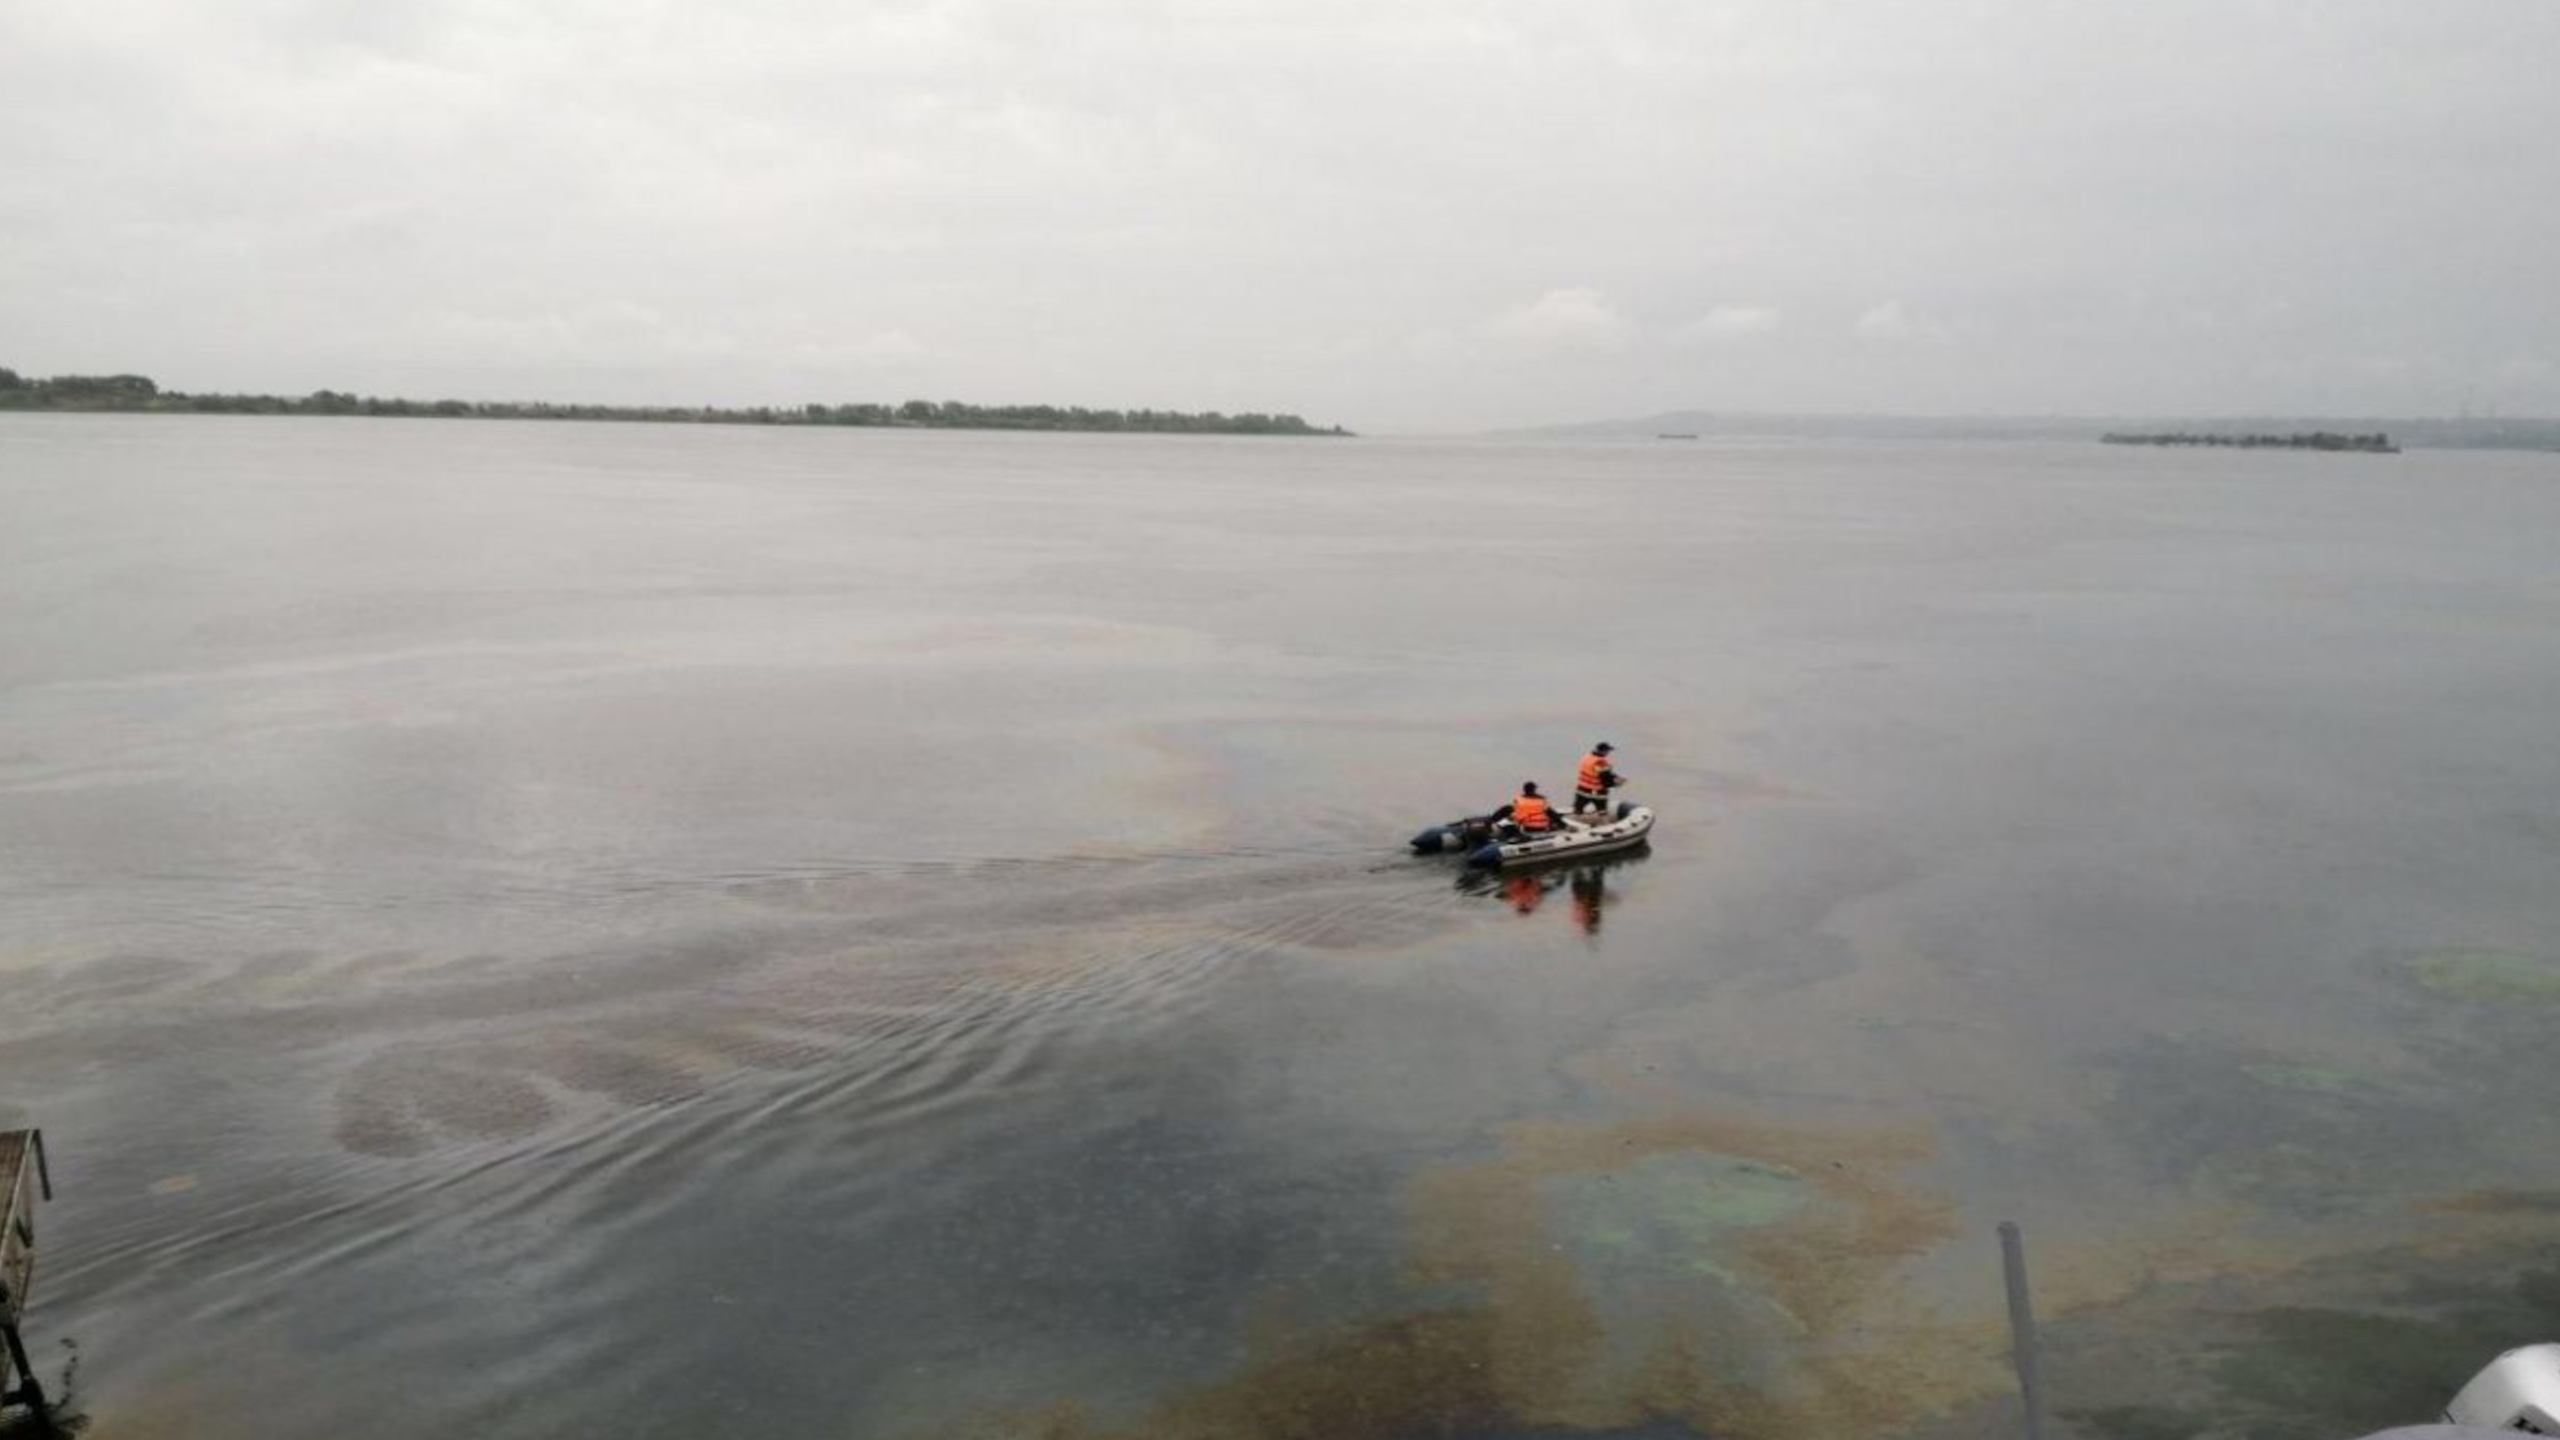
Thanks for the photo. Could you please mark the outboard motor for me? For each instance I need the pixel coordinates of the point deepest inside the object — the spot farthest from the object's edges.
(1465, 833)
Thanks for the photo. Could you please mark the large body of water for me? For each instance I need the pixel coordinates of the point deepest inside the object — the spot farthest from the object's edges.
(523, 930)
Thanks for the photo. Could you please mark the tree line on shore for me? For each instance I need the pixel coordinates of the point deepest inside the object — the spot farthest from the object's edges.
(139, 393)
(2376, 443)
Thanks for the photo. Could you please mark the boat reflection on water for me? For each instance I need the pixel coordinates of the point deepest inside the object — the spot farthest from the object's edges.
(1525, 890)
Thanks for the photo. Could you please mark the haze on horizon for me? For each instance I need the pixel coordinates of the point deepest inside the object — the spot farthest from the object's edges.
(1423, 216)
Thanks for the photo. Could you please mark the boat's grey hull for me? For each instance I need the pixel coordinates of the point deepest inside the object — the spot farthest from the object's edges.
(1576, 840)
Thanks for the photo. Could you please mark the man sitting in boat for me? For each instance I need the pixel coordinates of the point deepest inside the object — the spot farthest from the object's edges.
(1529, 810)
(1593, 782)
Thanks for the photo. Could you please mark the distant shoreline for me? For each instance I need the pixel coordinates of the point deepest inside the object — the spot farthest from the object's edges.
(2411, 432)
(2374, 443)
(137, 394)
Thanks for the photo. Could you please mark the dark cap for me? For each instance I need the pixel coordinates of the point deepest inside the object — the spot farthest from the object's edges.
(1528, 787)
(1603, 748)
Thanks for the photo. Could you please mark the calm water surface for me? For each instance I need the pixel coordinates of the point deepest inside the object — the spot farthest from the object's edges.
(525, 930)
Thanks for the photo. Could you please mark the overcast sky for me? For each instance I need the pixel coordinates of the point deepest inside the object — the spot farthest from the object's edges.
(1396, 214)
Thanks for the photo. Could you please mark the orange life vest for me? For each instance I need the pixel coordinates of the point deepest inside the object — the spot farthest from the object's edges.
(1594, 765)
(1530, 812)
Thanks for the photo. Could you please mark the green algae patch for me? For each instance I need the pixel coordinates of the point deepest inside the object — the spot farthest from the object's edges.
(1672, 1218)
(1669, 1215)
(2321, 1371)
(1740, 1277)
(1691, 1274)
(2491, 975)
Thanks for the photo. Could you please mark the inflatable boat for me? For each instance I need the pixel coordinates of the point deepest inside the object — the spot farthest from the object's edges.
(1491, 845)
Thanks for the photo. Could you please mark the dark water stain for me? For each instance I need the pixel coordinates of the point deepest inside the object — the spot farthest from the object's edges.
(626, 1073)
(407, 1104)
(2305, 1371)
(1424, 1376)
(2305, 1139)
(2140, 1422)
(1421, 1375)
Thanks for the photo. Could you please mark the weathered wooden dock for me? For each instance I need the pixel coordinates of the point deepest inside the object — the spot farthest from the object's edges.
(25, 1179)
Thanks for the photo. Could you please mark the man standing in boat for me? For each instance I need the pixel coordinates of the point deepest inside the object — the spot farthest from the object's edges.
(1593, 782)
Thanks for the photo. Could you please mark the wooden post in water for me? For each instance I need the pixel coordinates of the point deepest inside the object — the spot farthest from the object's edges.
(24, 1179)
(2022, 1326)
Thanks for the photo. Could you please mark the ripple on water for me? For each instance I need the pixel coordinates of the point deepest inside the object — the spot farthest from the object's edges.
(550, 1116)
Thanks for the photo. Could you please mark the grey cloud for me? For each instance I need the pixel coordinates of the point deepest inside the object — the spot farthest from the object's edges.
(1562, 322)
(1421, 215)
(1891, 322)
(1726, 324)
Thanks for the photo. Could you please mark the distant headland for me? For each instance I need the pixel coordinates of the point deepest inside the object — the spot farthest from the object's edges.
(2376, 443)
(139, 393)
